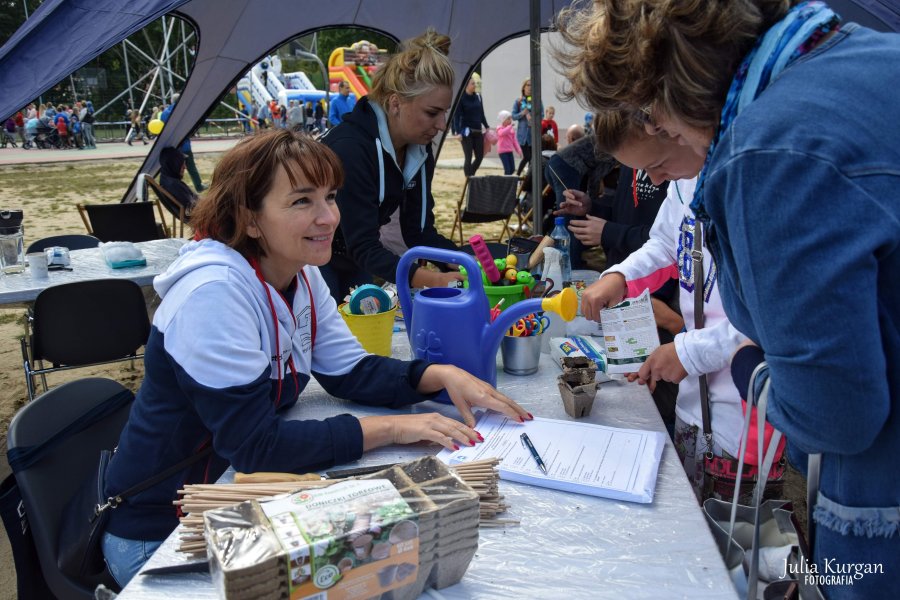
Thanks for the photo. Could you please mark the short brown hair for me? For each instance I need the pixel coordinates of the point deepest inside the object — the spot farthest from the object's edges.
(675, 55)
(612, 128)
(419, 65)
(244, 176)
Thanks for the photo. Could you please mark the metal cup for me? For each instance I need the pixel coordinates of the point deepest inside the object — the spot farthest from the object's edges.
(521, 355)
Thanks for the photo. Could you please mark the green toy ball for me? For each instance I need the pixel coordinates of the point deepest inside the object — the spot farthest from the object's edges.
(525, 278)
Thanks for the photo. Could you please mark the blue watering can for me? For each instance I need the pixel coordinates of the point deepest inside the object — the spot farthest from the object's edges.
(453, 325)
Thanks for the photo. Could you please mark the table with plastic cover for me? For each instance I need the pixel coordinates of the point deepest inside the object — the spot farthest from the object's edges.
(20, 289)
(567, 545)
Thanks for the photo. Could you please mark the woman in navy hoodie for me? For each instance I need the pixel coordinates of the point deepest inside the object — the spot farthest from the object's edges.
(470, 124)
(245, 321)
(385, 145)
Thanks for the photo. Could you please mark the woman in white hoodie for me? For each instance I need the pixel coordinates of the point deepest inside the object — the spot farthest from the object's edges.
(245, 320)
(694, 352)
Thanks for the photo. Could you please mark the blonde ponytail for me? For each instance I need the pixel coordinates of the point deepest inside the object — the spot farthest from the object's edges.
(420, 65)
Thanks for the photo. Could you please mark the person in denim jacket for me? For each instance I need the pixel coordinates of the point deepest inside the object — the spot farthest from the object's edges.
(793, 112)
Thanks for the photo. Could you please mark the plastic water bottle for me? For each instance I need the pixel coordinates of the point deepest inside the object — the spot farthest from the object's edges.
(552, 269)
(562, 242)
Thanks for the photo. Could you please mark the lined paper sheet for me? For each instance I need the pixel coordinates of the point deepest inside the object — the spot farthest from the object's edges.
(621, 464)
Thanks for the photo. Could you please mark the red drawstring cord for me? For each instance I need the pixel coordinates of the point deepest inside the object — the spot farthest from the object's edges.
(255, 264)
(634, 188)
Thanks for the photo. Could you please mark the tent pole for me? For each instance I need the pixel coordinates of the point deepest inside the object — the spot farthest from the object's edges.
(128, 75)
(184, 48)
(169, 54)
(536, 111)
(163, 62)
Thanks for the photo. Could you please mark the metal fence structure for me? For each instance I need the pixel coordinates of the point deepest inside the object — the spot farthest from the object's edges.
(115, 131)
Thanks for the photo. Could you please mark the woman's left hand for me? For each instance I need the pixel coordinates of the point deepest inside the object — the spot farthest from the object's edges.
(467, 392)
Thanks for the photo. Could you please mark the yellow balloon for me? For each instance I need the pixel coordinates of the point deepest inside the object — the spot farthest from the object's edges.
(155, 126)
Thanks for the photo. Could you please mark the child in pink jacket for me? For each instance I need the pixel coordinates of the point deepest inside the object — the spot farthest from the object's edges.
(506, 142)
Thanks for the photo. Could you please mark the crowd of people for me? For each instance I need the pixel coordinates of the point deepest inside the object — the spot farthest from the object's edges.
(49, 126)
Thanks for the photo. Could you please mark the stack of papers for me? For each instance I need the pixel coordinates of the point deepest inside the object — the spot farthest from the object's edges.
(609, 462)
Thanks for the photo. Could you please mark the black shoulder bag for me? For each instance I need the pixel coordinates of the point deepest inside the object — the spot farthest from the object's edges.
(81, 530)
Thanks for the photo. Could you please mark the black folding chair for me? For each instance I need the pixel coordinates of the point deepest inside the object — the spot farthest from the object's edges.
(178, 211)
(72, 241)
(486, 198)
(54, 445)
(83, 324)
(124, 222)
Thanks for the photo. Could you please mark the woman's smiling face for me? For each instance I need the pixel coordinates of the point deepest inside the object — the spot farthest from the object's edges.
(295, 225)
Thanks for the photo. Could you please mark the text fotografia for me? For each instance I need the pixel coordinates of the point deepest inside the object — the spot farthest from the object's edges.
(830, 573)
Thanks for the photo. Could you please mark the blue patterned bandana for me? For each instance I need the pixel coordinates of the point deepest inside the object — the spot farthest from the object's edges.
(796, 34)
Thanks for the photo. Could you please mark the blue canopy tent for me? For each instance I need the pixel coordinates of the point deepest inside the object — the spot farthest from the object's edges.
(232, 36)
(235, 34)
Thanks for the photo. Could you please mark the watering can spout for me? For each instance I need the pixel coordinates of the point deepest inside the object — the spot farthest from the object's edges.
(565, 304)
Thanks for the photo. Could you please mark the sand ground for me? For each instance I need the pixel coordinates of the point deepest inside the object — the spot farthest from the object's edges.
(48, 192)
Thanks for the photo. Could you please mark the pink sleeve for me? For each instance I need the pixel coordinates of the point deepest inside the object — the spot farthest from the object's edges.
(653, 281)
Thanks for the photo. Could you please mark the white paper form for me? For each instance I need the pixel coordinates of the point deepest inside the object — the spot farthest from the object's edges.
(584, 458)
(629, 331)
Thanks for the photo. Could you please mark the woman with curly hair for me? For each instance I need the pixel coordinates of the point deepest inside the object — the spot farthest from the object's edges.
(792, 112)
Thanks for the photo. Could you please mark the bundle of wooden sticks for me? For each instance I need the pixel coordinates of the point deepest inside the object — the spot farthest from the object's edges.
(481, 476)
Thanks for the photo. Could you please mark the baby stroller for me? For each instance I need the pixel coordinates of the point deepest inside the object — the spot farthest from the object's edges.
(47, 137)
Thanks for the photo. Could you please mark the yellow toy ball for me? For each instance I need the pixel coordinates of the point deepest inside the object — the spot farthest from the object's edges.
(155, 126)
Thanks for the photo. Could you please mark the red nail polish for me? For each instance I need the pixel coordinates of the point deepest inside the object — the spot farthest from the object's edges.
(471, 442)
(455, 447)
(480, 437)
(521, 419)
(530, 416)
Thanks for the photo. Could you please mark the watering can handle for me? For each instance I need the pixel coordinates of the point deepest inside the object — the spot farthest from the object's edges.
(433, 254)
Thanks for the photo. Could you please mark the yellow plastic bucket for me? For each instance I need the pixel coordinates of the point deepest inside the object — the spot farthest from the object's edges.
(374, 332)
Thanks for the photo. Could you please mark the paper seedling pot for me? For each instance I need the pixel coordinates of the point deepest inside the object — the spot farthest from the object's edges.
(577, 385)
(247, 559)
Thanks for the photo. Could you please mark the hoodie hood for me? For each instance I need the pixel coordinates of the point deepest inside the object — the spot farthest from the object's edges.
(218, 260)
(209, 271)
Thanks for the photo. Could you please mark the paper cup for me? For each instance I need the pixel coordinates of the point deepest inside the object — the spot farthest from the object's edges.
(37, 262)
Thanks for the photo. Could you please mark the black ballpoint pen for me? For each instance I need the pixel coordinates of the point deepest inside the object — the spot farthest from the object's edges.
(534, 453)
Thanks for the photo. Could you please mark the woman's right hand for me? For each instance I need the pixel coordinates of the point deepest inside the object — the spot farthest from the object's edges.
(575, 203)
(409, 429)
(427, 278)
(609, 291)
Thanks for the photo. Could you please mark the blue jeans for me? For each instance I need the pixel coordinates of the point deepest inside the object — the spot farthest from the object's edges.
(509, 163)
(126, 557)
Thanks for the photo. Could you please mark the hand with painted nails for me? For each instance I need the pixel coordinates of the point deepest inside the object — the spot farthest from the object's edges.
(467, 392)
(409, 429)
